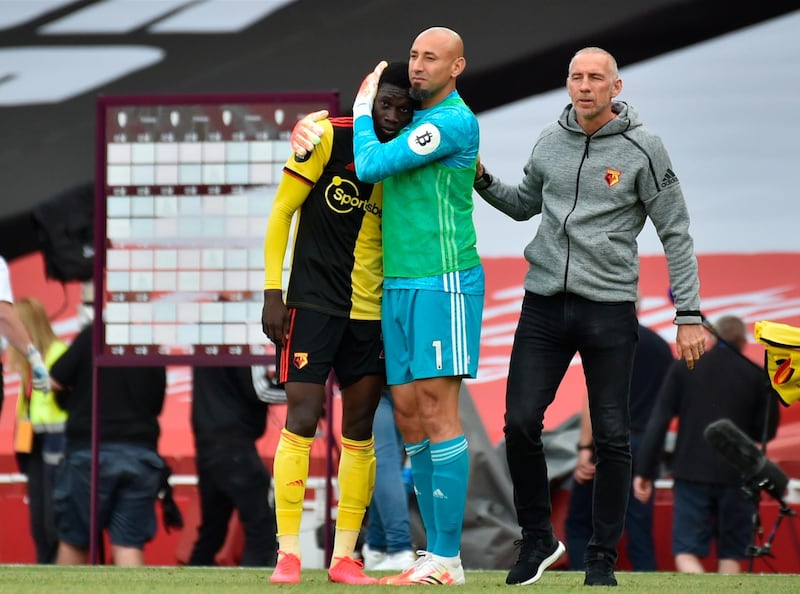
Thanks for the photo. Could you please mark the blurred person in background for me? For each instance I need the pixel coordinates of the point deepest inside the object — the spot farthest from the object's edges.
(13, 330)
(130, 471)
(388, 537)
(709, 504)
(228, 417)
(40, 424)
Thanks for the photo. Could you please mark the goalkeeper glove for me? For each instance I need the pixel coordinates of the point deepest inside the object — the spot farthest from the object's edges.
(306, 133)
(40, 378)
(366, 93)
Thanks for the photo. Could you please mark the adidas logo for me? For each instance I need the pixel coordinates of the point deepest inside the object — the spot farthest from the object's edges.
(669, 178)
(437, 494)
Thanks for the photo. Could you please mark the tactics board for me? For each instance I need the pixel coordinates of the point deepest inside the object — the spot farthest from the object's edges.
(184, 187)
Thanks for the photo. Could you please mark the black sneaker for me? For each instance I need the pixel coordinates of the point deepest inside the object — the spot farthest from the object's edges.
(534, 558)
(599, 573)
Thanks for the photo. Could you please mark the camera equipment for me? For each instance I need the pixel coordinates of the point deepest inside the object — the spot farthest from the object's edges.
(757, 472)
(740, 451)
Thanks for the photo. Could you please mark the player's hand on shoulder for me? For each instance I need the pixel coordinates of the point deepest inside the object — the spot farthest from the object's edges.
(307, 133)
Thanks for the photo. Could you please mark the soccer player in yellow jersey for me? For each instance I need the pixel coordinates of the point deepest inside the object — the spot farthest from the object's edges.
(330, 321)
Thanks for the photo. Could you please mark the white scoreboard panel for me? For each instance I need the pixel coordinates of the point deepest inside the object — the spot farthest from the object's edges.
(184, 187)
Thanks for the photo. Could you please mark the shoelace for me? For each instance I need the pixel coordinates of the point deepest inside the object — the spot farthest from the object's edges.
(431, 567)
(422, 559)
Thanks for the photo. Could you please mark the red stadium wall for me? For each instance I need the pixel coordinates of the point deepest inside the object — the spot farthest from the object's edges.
(753, 286)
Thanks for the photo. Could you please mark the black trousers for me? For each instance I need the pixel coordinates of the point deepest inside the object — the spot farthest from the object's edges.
(41, 478)
(234, 477)
(638, 525)
(550, 332)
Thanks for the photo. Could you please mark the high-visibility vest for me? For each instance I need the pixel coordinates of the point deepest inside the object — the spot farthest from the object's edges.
(42, 410)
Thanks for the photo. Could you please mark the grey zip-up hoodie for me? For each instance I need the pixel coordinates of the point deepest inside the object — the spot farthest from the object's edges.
(594, 194)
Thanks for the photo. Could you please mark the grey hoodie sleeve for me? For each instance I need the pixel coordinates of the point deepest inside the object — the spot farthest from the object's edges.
(666, 208)
(519, 202)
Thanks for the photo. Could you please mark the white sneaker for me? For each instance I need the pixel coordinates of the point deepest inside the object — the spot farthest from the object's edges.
(430, 569)
(397, 561)
(402, 577)
(371, 557)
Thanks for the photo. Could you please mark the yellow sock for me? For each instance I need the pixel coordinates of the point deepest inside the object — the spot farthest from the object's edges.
(356, 483)
(290, 471)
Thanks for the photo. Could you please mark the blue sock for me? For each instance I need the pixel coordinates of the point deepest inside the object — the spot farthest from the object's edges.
(449, 483)
(422, 473)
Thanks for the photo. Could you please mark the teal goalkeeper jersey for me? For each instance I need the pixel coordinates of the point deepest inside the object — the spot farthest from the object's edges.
(428, 171)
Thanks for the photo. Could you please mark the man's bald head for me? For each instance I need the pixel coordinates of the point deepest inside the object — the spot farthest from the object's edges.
(448, 40)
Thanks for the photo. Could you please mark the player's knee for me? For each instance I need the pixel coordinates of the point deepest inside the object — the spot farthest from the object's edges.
(357, 427)
(303, 422)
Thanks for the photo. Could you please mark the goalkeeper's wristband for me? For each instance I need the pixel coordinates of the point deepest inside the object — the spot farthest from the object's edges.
(362, 108)
(362, 105)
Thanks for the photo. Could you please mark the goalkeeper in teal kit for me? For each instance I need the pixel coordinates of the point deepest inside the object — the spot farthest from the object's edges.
(433, 285)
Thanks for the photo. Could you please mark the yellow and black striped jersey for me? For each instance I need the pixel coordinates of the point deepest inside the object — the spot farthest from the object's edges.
(336, 264)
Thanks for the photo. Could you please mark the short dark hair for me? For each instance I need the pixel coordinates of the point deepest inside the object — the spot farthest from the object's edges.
(396, 73)
(732, 330)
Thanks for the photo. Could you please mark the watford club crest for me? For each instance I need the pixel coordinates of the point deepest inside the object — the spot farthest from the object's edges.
(612, 177)
(300, 360)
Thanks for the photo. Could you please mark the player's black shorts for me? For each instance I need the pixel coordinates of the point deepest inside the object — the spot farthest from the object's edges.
(320, 342)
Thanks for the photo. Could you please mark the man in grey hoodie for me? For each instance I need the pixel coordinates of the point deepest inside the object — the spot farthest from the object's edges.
(595, 176)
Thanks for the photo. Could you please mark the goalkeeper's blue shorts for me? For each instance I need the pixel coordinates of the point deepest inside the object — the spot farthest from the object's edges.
(428, 333)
